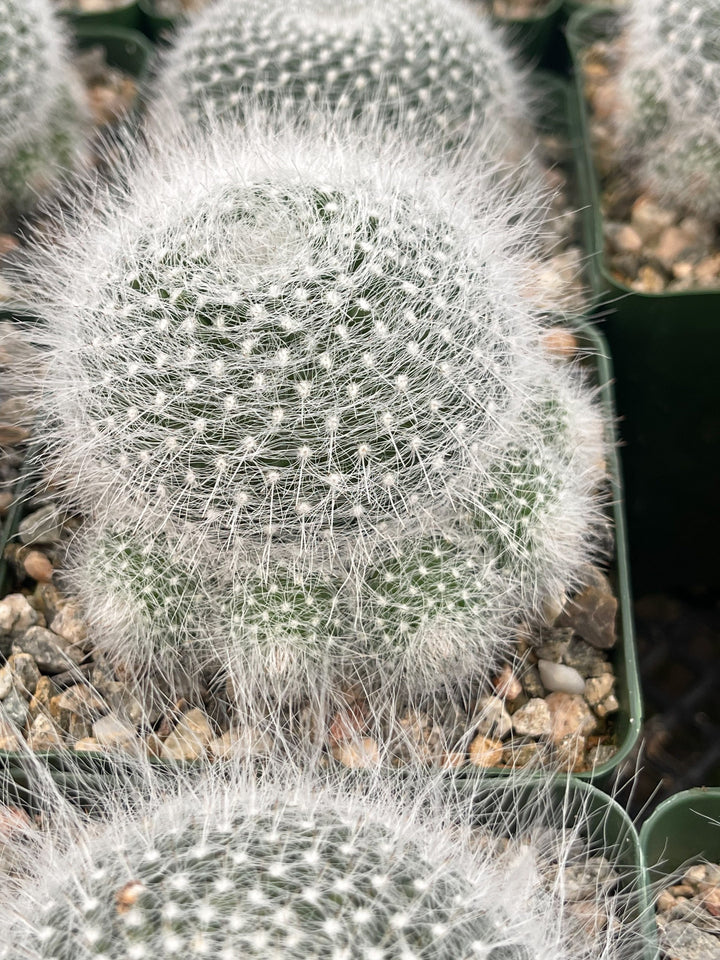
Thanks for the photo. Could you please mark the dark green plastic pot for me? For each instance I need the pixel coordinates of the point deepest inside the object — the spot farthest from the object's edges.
(156, 26)
(665, 347)
(127, 50)
(127, 15)
(684, 828)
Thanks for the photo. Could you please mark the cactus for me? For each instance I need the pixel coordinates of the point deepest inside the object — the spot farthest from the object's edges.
(42, 115)
(432, 608)
(433, 64)
(318, 366)
(670, 87)
(225, 867)
(286, 339)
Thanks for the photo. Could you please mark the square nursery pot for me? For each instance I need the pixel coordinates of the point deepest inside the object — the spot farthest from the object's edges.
(665, 348)
(126, 14)
(684, 829)
(158, 26)
(628, 719)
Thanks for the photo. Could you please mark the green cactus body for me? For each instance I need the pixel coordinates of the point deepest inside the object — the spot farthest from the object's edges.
(42, 116)
(670, 84)
(290, 883)
(541, 501)
(432, 63)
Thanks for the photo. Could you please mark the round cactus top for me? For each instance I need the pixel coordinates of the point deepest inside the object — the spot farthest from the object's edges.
(288, 343)
(292, 880)
(434, 63)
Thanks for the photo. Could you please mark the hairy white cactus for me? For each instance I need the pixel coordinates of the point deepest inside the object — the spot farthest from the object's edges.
(670, 84)
(437, 65)
(287, 338)
(438, 606)
(323, 370)
(42, 114)
(224, 866)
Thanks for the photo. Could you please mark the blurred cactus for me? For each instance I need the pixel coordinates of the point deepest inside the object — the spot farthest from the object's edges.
(217, 865)
(670, 86)
(42, 115)
(436, 65)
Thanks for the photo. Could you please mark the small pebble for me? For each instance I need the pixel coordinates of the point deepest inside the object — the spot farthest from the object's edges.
(38, 566)
(43, 526)
(533, 719)
(485, 752)
(52, 653)
(491, 717)
(680, 940)
(44, 735)
(649, 219)
(189, 738)
(592, 612)
(244, 743)
(558, 677)
(598, 688)
(571, 716)
(17, 615)
(358, 754)
(607, 706)
(111, 731)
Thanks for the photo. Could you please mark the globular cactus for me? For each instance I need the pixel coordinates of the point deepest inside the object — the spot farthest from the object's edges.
(670, 89)
(323, 369)
(437, 65)
(224, 867)
(287, 338)
(42, 114)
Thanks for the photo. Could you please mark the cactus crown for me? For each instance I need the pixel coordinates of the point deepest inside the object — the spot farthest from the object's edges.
(670, 82)
(41, 111)
(432, 63)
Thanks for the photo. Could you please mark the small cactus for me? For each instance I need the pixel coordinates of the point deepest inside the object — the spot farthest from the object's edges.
(290, 342)
(322, 369)
(42, 115)
(670, 86)
(434, 64)
(302, 870)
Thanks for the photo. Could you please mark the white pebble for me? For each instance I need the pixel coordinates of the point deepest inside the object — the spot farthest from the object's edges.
(559, 678)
